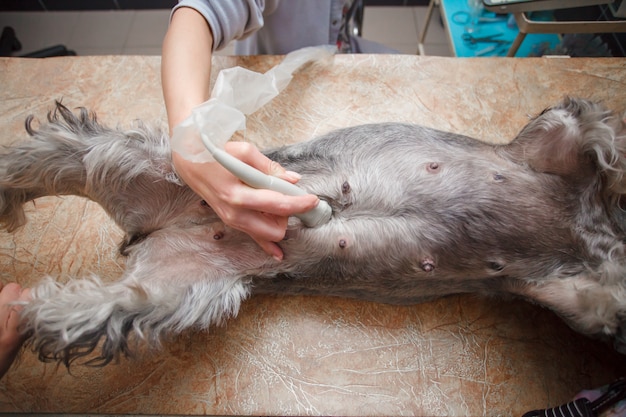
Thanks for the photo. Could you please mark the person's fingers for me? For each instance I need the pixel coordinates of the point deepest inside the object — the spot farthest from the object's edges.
(9, 293)
(25, 295)
(261, 226)
(10, 337)
(218, 187)
(262, 214)
(271, 248)
(249, 154)
(9, 290)
(271, 202)
(14, 318)
(264, 229)
(9, 313)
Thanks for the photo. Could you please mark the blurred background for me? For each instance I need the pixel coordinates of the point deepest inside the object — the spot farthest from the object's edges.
(103, 27)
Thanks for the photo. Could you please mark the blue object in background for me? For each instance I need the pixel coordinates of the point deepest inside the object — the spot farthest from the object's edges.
(492, 35)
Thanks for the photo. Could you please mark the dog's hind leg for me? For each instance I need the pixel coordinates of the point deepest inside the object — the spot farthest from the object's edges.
(74, 154)
(129, 173)
(175, 280)
(50, 165)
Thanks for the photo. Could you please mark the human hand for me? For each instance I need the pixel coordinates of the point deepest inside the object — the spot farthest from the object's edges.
(186, 70)
(262, 214)
(10, 337)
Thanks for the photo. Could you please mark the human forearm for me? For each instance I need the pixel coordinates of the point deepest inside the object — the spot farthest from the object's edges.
(186, 64)
(186, 77)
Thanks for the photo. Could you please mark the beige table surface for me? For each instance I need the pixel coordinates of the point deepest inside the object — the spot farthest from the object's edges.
(309, 355)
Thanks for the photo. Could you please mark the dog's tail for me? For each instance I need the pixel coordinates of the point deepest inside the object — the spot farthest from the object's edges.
(75, 155)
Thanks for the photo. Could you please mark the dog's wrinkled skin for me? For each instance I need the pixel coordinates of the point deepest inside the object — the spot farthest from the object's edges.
(417, 214)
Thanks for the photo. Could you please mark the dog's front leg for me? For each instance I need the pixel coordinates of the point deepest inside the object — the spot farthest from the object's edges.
(588, 306)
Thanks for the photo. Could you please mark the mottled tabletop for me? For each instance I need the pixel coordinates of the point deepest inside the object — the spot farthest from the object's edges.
(462, 355)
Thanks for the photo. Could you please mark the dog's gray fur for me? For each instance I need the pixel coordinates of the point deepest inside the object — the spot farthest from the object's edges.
(417, 213)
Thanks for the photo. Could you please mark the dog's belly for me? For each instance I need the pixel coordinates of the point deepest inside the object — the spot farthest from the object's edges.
(419, 213)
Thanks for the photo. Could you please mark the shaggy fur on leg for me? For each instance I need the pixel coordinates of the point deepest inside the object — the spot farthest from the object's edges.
(417, 214)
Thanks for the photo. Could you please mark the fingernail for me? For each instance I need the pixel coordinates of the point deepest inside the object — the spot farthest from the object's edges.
(293, 175)
(277, 258)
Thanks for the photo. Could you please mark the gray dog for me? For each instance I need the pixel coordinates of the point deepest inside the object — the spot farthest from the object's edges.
(417, 214)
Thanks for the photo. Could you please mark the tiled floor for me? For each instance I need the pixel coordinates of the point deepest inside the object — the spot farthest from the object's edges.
(141, 32)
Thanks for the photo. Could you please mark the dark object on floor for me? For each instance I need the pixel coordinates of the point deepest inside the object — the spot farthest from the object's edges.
(583, 407)
(10, 44)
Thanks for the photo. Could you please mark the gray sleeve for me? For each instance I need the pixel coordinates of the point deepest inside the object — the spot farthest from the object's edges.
(229, 20)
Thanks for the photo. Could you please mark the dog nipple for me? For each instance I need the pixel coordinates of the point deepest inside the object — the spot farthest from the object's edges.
(218, 235)
(496, 266)
(433, 167)
(343, 243)
(345, 187)
(427, 265)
